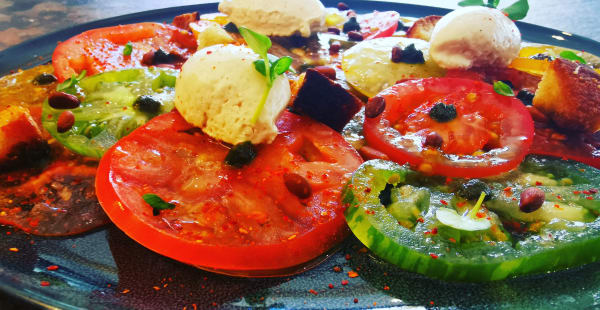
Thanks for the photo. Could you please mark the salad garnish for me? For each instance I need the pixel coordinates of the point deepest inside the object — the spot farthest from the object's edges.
(157, 203)
(127, 49)
(503, 89)
(515, 11)
(570, 55)
(71, 82)
(269, 66)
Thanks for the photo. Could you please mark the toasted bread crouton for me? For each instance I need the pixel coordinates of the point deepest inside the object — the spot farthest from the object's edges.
(18, 130)
(325, 101)
(423, 27)
(569, 94)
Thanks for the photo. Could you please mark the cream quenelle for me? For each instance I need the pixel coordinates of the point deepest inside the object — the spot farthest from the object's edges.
(276, 17)
(219, 90)
(474, 37)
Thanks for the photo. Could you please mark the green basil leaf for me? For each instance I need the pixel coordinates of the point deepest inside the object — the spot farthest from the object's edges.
(127, 49)
(517, 10)
(503, 89)
(259, 43)
(259, 65)
(157, 203)
(471, 2)
(570, 55)
(492, 3)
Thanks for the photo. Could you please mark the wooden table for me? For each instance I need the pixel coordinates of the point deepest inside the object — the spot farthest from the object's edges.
(25, 19)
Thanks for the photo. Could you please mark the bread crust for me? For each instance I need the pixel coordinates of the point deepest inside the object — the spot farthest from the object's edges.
(569, 94)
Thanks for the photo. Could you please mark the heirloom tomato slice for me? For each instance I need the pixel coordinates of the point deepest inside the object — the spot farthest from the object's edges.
(243, 222)
(101, 49)
(378, 24)
(489, 134)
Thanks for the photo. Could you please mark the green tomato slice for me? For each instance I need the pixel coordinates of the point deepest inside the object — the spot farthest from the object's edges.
(107, 113)
(500, 242)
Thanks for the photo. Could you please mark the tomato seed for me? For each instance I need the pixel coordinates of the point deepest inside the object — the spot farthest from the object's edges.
(374, 107)
(62, 100)
(297, 185)
(65, 121)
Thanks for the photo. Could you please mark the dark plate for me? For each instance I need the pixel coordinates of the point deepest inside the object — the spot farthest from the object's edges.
(107, 270)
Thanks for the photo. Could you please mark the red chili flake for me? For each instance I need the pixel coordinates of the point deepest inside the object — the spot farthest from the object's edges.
(507, 189)
(557, 206)
(589, 198)
(331, 285)
(427, 233)
(337, 269)
(14, 249)
(125, 291)
(355, 300)
(452, 240)
(156, 288)
(313, 292)
(8, 233)
(348, 257)
(480, 215)
(420, 220)
(434, 256)
(460, 204)
(582, 170)
(448, 180)
(587, 192)
(344, 282)
(576, 192)
(559, 196)
(431, 303)
(434, 231)
(386, 288)
(45, 283)
(52, 268)
(367, 190)
(352, 274)
(444, 202)
(538, 183)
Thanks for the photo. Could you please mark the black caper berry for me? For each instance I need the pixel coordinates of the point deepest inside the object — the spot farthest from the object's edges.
(147, 104)
(472, 189)
(351, 25)
(241, 154)
(385, 196)
(526, 97)
(443, 112)
(44, 79)
(411, 55)
(231, 28)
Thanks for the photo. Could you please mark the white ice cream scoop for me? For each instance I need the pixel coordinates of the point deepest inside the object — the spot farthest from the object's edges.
(474, 37)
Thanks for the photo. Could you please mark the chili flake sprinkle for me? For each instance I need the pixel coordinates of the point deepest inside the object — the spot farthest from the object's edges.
(355, 300)
(344, 282)
(52, 268)
(14, 249)
(330, 285)
(313, 292)
(444, 202)
(434, 256)
(352, 274)
(45, 283)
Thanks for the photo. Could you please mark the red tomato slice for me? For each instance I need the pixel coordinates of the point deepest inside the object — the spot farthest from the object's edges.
(580, 147)
(101, 49)
(244, 221)
(378, 24)
(485, 120)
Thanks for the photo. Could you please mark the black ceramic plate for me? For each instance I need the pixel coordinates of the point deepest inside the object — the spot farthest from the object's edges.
(107, 270)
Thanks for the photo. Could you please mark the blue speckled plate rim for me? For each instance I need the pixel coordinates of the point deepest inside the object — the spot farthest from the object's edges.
(39, 50)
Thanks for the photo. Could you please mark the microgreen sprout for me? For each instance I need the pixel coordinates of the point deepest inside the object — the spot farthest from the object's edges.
(269, 66)
(515, 11)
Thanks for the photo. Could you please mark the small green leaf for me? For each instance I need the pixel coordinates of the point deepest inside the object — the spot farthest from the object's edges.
(259, 65)
(503, 89)
(259, 43)
(471, 2)
(72, 81)
(157, 203)
(517, 10)
(127, 49)
(492, 3)
(570, 55)
(281, 65)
